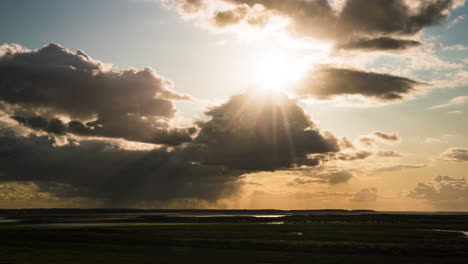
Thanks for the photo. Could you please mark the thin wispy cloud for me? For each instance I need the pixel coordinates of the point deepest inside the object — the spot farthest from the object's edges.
(456, 20)
(455, 48)
(455, 101)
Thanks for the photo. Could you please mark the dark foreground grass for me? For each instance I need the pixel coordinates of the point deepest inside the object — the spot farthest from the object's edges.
(313, 239)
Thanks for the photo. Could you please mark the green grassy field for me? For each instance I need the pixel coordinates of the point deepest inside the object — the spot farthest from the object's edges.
(294, 239)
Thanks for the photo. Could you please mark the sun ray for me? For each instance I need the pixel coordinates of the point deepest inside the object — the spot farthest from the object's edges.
(291, 145)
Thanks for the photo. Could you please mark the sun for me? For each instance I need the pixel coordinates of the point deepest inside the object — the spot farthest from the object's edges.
(276, 72)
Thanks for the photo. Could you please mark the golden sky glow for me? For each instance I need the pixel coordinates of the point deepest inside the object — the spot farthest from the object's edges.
(235, 104)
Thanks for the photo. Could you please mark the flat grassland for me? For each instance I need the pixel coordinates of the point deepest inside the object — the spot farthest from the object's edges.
(43, 236)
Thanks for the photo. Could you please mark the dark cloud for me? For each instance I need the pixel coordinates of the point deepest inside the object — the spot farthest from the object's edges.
(455, 154)
(35, 122)
(340, 156)
(245, 134)
(228, 17)
(350, 156)
(399, 167)
(369, 141)
(162, 135)
(190, 6)
(446, 192)
(324, 178)
(100, 170)
(370, 25)
(325, 196)
(254, 132)
(365, 195)
(242, 13)
(350, 152)
(326, 82)
(339, 177)
(389, 154)
(391, 137)
(302, 181)
(309, 17)
(41, 87)
(392, 16)
(381, 43)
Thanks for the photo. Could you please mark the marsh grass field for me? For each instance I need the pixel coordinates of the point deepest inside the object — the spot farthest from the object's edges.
(157, 236)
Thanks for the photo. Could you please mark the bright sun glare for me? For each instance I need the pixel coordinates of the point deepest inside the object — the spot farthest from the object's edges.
(277, 71)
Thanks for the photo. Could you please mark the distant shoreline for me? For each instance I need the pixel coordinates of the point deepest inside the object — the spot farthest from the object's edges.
(224, 211)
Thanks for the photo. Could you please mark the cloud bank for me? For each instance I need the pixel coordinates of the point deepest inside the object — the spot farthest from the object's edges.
(241, 137)
(445, 192)
(326, 82)
(52, 94)
(455, 154)
(45, 87)
(351, 24)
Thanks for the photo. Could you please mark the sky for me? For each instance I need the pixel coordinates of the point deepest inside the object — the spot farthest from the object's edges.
(252, 104)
